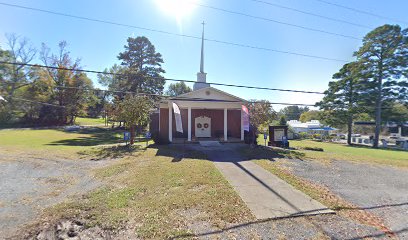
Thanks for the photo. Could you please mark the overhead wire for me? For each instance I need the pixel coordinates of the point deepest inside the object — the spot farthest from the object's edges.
(311, 14)
(160, 78)
(277, 21)
(361, 11)
(174, 98)
(174, 34)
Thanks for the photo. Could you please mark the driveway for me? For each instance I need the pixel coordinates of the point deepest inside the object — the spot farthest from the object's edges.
(381, 190)
(30, 184)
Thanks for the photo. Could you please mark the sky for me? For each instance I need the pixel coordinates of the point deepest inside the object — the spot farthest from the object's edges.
(98, 45)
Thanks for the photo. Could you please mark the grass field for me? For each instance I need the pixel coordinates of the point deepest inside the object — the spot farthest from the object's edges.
(161, 195)
(89, 121)
(58, 141)
(351, 153)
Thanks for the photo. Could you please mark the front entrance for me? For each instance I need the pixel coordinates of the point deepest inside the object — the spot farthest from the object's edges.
(203, 127)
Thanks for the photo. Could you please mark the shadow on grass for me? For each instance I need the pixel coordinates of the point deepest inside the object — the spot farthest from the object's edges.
(178, 152)
(112, 152)
(261, 152)
(95, 136)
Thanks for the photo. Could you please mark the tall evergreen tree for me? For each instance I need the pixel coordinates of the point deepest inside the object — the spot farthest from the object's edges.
(384, 55)
(342, 97)
(142, 65)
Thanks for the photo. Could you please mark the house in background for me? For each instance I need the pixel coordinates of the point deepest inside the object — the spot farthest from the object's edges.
(206, 113)
(311, 127)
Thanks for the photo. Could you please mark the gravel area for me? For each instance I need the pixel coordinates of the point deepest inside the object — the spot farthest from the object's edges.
(30, 184)
(381, 190)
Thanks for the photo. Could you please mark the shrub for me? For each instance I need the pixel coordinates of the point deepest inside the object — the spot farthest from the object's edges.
(304, 135)
(314, 149)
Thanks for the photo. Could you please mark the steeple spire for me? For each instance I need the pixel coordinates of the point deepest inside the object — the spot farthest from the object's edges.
(201, 75)
(202, 52)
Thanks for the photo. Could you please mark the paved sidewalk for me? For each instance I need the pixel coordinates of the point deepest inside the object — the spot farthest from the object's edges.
(265, 194)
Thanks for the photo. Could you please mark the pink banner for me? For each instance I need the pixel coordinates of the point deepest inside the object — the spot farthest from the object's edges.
(245, 118)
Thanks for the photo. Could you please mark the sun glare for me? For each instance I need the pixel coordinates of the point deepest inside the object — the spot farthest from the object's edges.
(177, 8)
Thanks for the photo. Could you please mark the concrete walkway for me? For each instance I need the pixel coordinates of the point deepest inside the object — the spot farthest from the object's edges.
(266, 195)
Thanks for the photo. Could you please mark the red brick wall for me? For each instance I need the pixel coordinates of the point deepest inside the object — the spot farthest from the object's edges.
(217, 122)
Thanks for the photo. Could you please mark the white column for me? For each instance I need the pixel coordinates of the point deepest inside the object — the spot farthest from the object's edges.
(225, 124)
(242, 126)
(170, 121)
(189, 124)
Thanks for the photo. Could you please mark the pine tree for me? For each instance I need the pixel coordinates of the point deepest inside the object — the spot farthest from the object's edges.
(384, 56)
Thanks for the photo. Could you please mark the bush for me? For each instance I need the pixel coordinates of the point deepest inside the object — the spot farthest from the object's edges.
(304, 135)
(314, 149)
(317, 136)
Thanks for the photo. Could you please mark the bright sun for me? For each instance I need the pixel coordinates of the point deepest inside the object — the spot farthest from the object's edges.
(177, 8)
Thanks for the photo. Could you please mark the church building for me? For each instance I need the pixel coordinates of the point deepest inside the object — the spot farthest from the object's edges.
(206, 113)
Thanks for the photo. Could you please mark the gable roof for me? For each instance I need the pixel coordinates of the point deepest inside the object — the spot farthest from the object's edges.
(210, 93)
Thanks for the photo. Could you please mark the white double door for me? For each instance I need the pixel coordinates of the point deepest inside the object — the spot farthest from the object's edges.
(202, 126)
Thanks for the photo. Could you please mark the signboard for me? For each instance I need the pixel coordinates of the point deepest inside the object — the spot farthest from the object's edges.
(126, 136)
(279, 133)
(265, 136)
(245, 118)
(148, 135)
(177, 116)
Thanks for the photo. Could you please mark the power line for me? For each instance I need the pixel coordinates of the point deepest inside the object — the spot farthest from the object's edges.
(166, 79)
(311, 14)
(36, 102)
(174, 98)
(361, 11)
(173, 34)
(276, 21)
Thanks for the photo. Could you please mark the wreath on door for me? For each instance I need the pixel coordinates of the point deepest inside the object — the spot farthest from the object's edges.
(199, 125)
(206, 125)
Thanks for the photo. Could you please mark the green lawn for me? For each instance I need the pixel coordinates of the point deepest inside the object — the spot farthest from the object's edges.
(89, 121)
(352, 153)
(57, 141)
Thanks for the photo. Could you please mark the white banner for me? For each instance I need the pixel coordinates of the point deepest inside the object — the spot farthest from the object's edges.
(245, 118)
(177, 116)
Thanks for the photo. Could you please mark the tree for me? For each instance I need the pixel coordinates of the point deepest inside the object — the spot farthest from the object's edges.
(260, 113)
(282, 121)
(341, 99)
(293, 112)
(310, 115)
(176, 89)
(14, 77)
(135, 110)
(142, 67)
(384, 55)
(69, 87)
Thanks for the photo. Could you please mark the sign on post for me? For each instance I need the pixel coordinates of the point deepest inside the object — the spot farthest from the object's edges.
(126, 136)
(265, 137)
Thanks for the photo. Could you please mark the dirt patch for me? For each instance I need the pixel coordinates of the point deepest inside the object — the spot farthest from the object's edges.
(31, 184)
(75, 229)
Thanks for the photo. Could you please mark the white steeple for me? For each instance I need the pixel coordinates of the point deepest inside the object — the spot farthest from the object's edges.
(201, 76)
